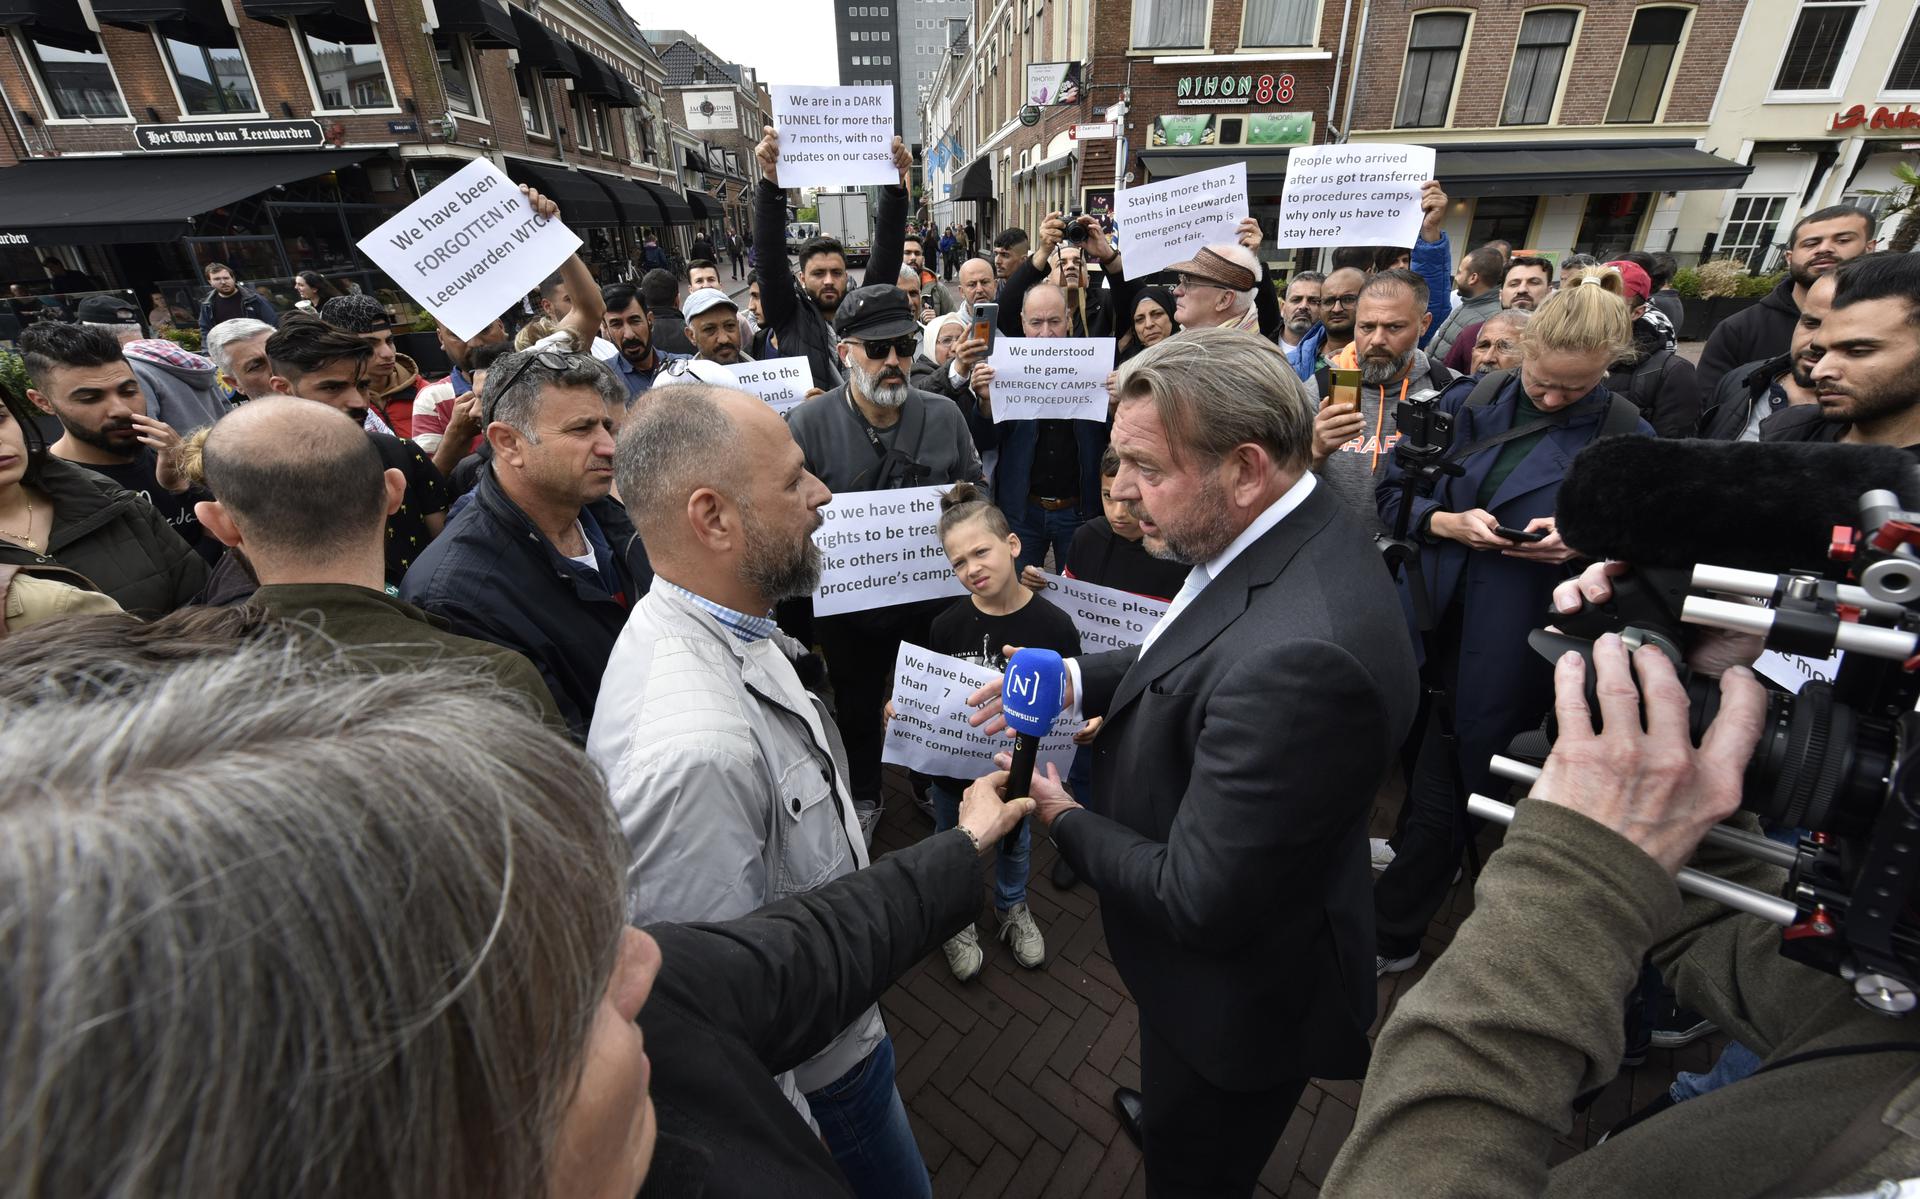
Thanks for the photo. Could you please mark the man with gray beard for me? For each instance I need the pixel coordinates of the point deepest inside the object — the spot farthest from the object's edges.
(876, 432)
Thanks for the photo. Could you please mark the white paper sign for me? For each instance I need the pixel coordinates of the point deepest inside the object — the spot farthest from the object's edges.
(1164, 223)
(1794, 671)
(1050, 378)
(469, 248)
(1349, 194)
(882, 548)
(930, 732)
(1106, 617)
(782, 382)
(835, 136)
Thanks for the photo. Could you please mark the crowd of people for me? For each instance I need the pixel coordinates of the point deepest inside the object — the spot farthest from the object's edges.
(470, 749)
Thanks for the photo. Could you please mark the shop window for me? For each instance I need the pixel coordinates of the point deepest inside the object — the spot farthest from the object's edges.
(1646, 65)
(582, 120)
(1905, 76)
(1821, 34)
(79, 83)
(1170, 24)
(1433, 61)
(602, 131)
(1502, 218)
(457, 75)
(347, 74)
(1538, 57)
(1280, 23)
(210, 74)
(533, 100)
(1752, 224)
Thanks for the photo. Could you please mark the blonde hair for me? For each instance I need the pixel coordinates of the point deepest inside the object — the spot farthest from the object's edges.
(534, 330)
(1589, 312)
(190, 458)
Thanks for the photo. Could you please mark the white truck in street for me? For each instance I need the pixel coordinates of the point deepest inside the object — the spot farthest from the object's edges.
(847, 217)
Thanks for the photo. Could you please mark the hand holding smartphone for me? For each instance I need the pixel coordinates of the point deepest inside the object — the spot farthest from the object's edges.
(1522, 534)
(985, 317)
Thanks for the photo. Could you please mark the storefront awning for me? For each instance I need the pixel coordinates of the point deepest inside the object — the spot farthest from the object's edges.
(87, 201)
(675, 208)
(333, 19)
(705, 207)
(976, 181)
(636, 204)
(602, 82)
(175, 17)
(581, 200)
(55, 22)
(694, 159)
(486, 22)
(539, 48)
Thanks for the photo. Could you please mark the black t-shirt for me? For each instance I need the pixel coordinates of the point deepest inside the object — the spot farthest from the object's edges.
(1100, 555)
(227, 308)
(965, 632)
(407, 532)
(138, 476)
(1056, 463)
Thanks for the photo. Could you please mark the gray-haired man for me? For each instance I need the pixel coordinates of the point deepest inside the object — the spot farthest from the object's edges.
(239, 348)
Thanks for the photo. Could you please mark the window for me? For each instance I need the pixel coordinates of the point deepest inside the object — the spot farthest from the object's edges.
(1170, 24)
(79, 83)
(886, 60)
(533, 100)
(1646, 65)
(1279, 23)
(1538, 56)
(1819, 42)
(1905, 76)
(456, 73)
(1752, 225)
(602, 131)
(347, 74)
(582, 120)
(1433, 60)
(212, 79)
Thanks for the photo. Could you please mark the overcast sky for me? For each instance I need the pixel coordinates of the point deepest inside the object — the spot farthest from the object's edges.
(786, 41)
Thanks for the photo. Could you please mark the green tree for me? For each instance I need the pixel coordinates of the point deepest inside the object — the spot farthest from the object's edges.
(1906, 201)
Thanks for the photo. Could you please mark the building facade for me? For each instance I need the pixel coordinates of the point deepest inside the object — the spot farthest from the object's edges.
(724, 107)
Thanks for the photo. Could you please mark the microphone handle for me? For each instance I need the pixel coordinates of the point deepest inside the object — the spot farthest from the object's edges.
(1026, 747)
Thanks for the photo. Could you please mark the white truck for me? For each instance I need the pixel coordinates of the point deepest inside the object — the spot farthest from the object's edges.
(847, 217)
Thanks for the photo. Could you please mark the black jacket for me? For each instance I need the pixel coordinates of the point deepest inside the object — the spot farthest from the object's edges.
(114, 537)
(1099, 309)
(1231, 784)
(670, 330)
(740, 1002)
(926, 375)
(797, 324)
(1740, 390)
(1758, 332)
(1662, 384)
(491, 574)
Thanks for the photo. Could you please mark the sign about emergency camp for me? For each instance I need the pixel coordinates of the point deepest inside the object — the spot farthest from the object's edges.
(1106, 617)
(930, 730)
(781, 382)
(880, 548)
(835, 136)
(461, 247)
(1168, 222)
(1353, 195)
(1050, 378)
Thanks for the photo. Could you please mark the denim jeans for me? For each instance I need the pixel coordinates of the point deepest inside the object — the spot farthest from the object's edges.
(1735, 1063)
(1009, 869)
(866, 1130)
(1040, 529)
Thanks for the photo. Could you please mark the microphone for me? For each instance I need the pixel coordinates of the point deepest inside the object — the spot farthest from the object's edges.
(1031, 700)
(1768, 506)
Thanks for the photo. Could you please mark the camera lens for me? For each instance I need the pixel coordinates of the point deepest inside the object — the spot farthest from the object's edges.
(1076, 233)
(1818, 766)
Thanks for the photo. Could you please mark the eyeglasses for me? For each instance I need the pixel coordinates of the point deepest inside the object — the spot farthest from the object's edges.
(877, 351)
(552, 360)
(1189, 282)
(1346, 301)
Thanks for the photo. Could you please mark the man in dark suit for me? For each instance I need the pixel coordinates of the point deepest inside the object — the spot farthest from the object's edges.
(1241, 748)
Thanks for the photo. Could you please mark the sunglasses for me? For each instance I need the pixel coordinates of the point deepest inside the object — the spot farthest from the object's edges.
(877, 351)
(553, 360)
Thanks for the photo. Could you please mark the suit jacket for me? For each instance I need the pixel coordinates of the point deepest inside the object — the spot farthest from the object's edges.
(1232, 781)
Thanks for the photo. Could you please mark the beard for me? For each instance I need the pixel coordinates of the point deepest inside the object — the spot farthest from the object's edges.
(885, 386)
(1300, 323)
(115, 437)
(827, 300)
(1378, 371)
(1861, 406)
(1210, 533)
(778, 570)
(1821, 265)
(636, 349)
(1802, 370)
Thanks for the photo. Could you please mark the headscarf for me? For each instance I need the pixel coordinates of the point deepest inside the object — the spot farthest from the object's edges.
(930, 336)
(1159, 295)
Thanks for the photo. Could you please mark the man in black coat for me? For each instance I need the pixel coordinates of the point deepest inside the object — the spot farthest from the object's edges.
(1240, 750)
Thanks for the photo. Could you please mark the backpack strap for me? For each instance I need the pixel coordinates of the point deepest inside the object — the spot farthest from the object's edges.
(1487, 390)
(1623, 417)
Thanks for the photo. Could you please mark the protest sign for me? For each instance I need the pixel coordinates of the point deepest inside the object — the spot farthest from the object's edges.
(1352, 195)
(462, 247)
(1164, 223)
(930, 732)
(881, 548)
(1106, 617)
(1050, 378)
(835, 136)
(781, 382)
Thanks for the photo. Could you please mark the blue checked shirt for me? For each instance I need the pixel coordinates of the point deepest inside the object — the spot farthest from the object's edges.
(746, 628)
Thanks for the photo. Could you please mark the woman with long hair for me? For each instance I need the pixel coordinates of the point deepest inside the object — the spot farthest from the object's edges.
(314, 290)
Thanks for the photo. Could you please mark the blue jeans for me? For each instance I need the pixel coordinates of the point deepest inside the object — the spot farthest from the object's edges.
(1736, 1062)
(1040, 529)
(866, 1130)
(1009, 869)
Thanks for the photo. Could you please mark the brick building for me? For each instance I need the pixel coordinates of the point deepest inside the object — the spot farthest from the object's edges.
(723, 106)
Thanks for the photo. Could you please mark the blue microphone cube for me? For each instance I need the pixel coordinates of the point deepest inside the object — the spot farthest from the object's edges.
(1035, 690)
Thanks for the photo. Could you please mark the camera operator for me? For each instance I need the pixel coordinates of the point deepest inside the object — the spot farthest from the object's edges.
(1514, 433)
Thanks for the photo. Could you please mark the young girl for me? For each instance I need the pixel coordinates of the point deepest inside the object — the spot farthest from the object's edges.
(997, 612)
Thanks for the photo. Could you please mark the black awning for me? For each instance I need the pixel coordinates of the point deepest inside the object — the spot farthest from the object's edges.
(675, 208)
(695, 161)
(540, 49)
(335, 20)
(55, 22)
(581, 200)
(182, 18)
(486, 22)
(637, 205)
(705, 207)
(87, 201)
(976, 181)
(602, 82)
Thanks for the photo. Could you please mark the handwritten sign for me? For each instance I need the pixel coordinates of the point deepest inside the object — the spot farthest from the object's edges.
(1107, 617)
(1353, 195)
(930, 732)
(468, 248)
(1050, 378)
(1164, 223)
(881, 548)
(835, 136)
(781, 382)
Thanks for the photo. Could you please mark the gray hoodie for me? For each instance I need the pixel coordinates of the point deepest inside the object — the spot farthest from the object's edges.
(1356, 468)
(182, 386)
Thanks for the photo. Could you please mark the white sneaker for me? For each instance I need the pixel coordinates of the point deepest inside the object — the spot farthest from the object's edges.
(1382, 852)
(1018, 930)
(1385, 966)
(964, 957)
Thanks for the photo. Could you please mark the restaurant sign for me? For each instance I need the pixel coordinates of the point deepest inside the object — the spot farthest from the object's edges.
(231, 135)
(1882, 118)
(1234, 89)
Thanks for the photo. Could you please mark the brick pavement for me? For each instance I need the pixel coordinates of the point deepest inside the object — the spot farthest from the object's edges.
(1008, 1078)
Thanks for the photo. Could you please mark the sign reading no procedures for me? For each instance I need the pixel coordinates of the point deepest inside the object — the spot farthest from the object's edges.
(231, 135)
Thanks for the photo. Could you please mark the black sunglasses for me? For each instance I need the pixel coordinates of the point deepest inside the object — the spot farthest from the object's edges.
(877, 350)
(553, 360)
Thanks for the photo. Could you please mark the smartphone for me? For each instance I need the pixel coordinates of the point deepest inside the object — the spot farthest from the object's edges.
(1522, 534)
(985, 316)
(1346, 387)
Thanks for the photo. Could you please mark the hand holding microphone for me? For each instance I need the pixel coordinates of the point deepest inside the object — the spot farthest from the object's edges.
(1032, 696)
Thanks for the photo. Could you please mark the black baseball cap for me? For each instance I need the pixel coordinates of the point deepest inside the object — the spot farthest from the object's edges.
(106, 310)
(356, 313)
(876, 313)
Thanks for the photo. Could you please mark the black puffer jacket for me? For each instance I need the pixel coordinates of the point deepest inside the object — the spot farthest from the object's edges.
(1749, 335)
(1661, 383)
(115, 538)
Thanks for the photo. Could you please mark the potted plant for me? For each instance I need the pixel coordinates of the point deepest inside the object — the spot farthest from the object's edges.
(1716, 290)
